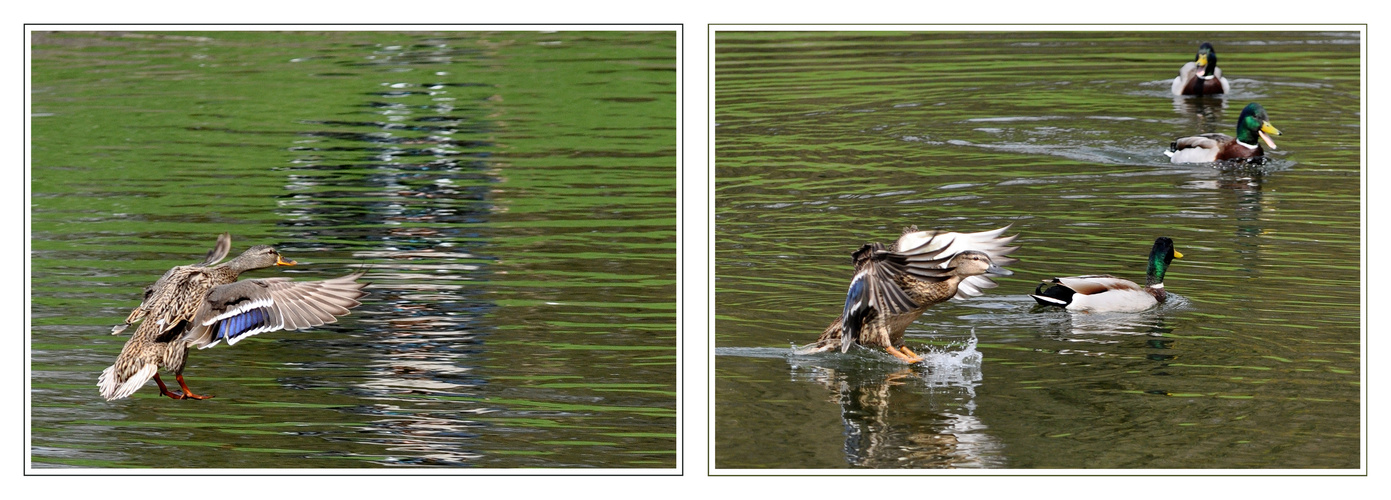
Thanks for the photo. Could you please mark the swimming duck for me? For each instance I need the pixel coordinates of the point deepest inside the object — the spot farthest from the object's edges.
(1206, 148)
(893, 286)
(201, 305)
(1106, 293)
(1201, 76)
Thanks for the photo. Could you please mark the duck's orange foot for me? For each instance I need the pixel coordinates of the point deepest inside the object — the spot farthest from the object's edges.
(188, 393)
(909, 358)
(164, 391)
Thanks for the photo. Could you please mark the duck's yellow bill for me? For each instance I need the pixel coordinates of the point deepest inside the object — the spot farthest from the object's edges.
(280, 261)
(1178, 255)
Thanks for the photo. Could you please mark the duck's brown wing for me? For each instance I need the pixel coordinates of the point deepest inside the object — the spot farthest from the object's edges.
(1205, 141)
(874, 291)
(239, 310)
(1096, 283)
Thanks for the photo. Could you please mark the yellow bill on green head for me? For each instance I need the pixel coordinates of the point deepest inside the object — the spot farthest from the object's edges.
(1266, 129)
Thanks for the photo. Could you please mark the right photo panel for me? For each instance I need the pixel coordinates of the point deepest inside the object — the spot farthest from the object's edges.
(1028, 250)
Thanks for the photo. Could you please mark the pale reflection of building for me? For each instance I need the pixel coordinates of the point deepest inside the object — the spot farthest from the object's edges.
(405, 178)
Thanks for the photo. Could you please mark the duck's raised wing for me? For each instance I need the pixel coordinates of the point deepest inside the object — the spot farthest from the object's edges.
(219, 251)
(935, 249)
(239, 310)
(875, 292)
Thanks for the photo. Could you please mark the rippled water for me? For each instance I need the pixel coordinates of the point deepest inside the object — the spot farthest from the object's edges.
(511, 194)
(825, 141)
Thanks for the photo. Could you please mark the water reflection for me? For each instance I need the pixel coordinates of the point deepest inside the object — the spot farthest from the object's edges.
(427, 186)
(920, 416)
(1203, 113)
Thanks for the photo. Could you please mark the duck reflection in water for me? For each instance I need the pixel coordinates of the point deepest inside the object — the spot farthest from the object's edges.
(906, 417)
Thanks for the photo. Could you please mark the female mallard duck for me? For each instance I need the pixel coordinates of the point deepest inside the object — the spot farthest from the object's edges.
(1207, 148)
(892, 287)
(1106, 293)
(201, 305)
(1201, 76)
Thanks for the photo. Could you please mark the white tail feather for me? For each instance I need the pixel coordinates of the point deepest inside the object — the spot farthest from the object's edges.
(113, 389)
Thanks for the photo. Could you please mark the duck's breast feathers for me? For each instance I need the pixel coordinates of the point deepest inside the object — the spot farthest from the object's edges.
(1235, 150)
(1201, 85)
(239, 310)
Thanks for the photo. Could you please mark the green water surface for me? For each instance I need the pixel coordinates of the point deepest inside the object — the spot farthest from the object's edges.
(825, 141)
(512, 195)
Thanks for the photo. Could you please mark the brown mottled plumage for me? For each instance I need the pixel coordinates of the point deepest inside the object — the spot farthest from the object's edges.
(892, 287)
(201, 305)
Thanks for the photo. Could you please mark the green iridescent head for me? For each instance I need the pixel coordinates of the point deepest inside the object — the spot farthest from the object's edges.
(1254, 123)
(1160, 256)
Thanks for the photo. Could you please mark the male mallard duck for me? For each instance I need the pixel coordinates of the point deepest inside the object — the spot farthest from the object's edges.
(1201, 76)
(1106, 293)
(1206, 148)
(892, 287)
(201, 305)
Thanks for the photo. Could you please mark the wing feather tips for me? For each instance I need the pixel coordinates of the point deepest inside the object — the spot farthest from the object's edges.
(856, 299)
(276, 304)
(113, 388)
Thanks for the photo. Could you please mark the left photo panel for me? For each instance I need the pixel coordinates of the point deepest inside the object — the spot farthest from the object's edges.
(447, 250)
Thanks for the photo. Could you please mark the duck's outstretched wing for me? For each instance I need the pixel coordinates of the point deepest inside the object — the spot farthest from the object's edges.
(934, 249)
(874, 291)
(239, 310)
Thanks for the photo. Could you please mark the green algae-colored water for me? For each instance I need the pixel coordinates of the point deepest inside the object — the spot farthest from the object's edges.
(512, 194)
(828, 140)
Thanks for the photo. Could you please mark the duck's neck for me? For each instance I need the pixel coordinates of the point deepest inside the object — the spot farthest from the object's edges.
(1157, 290)
(1247, 137)
(239, 265)
(945, 289)
(1154, 276)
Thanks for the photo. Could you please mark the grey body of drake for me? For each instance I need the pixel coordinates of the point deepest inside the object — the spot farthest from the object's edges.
(1201, 76)
(1252, 127)
(893, 286)
(203, 304)
(1107, 293)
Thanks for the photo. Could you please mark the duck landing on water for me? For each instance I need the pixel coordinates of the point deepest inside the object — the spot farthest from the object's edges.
(893, 286)
(203, 304)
